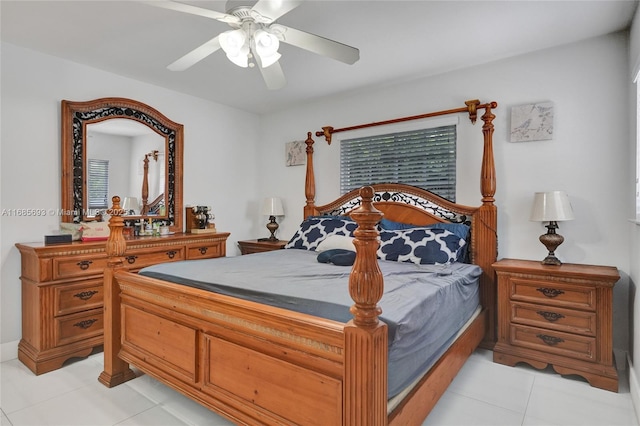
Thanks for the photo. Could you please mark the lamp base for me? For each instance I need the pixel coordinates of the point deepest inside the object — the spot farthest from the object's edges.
(551, 241)
(272, 226)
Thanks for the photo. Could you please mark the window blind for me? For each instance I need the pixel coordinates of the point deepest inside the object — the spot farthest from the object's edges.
(98, 183)
(425, 158)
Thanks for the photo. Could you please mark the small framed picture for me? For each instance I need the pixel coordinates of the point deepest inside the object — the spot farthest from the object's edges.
(295, 153)
(532, 122)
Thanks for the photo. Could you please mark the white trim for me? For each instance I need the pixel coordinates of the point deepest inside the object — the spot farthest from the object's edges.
(9, 351)
(634, 389)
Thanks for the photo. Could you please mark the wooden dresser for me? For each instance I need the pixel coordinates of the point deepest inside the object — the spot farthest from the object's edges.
(559, 316)
(62, 293)
(257, 246)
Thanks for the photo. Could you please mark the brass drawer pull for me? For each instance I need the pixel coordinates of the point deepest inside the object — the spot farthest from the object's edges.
(550, 292)
(550, 316)
(131, 259)
(550, 340)
(85, 295)
(85, 324)
(84, 264)
(203, 250)
(171, 254)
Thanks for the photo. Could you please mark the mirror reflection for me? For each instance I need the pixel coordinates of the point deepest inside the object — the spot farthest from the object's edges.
(126, 158)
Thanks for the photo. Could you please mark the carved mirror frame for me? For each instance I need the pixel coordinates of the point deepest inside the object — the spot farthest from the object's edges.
(75, 118)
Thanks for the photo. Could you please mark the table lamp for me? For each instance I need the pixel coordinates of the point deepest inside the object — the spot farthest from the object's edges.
(272, 207)
(130, 205)
(552, 207)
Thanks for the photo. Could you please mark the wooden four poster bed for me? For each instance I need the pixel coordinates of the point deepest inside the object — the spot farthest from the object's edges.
(259, 364)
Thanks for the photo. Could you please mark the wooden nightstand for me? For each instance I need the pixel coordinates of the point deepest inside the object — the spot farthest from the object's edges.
(559, 316)
(256, 246)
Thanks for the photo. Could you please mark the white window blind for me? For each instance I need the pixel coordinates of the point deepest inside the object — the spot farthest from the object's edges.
(98, 183)
(425, 158)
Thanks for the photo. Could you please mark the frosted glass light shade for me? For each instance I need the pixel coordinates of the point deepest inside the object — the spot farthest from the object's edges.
(234, 43)
(551, 206)
(272, 206)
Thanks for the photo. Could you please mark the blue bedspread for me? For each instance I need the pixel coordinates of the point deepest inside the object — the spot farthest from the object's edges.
(423, 305)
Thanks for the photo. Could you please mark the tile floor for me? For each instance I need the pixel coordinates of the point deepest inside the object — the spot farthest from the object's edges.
(483, 393)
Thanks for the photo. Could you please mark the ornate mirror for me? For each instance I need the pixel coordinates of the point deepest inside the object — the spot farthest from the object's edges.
(118, 146)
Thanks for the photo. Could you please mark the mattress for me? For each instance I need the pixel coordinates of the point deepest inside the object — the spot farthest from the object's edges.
(424, 306)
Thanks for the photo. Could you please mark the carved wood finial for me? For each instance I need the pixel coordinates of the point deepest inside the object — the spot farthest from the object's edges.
(327, 131)
(488, 172)
(116, 244)
(365, 282)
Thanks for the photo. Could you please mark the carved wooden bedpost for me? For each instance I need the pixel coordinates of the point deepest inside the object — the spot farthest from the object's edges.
(310, 181)
(365, 385)
(115, 371)
(487, 221)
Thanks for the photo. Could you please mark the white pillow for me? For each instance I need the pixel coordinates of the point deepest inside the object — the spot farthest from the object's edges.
(336, 242)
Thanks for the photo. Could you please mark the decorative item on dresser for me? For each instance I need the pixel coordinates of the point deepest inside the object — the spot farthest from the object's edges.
(258, 246)
(272, 207)
(552, 207)
(62, 294)
(559, 316)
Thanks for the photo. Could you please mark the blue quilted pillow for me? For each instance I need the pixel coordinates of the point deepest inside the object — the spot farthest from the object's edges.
(316, 228)
(421, 246)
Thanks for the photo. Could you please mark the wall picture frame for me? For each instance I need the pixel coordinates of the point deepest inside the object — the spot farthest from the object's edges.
(532, 122)
(295, 153)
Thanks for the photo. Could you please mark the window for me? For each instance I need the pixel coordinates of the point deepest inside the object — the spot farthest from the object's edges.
(98, 183)
(425, 158)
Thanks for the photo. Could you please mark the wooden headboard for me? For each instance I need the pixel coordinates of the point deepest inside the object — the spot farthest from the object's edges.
(426, 207)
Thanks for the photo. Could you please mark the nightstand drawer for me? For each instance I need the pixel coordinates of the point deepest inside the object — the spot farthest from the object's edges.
(554, 342)
(567, 320)
(71, 298)
(76, 327)
(553, 293)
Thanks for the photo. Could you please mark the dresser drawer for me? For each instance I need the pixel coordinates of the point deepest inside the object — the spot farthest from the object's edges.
(554, 342)
(567, 320)
(70, 298)
(80, 326)
(553, 294)
(78, 266)
(205, 251)
(135, 259)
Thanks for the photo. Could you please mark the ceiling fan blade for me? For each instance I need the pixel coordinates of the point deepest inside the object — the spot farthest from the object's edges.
(272, 75)
(316, 44)
(193, 10)
(275, 9)
(196, 55)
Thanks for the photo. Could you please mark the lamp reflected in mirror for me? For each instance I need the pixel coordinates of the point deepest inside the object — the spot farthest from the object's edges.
(552, 207)
(272, 207)
(131, 206)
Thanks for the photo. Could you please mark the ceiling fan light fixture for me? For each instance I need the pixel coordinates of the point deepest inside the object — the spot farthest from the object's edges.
(234, 43)
(266, 45)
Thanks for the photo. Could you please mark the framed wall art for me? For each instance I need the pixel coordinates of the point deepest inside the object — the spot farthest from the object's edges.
(532, 122)
(295, 153)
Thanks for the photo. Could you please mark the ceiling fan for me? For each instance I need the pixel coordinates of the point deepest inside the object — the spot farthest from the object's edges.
(256, 37)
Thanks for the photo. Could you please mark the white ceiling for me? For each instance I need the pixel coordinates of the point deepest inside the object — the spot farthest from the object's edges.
(398, 40)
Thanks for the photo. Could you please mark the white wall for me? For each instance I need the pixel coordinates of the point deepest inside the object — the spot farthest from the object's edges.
(219, 157)
(587, 82)
(634, 234)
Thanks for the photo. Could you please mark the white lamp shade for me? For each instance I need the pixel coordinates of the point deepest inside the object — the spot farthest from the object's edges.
(131, 203)
(267, 46)
(234, 43)
(551, 206)
(272, 207)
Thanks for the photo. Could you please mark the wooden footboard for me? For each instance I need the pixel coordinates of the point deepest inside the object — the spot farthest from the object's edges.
(253, 363)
